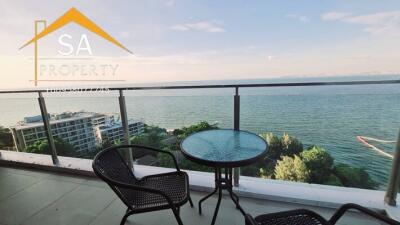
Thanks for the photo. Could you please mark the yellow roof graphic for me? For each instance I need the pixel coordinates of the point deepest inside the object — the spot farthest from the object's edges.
(73, 15)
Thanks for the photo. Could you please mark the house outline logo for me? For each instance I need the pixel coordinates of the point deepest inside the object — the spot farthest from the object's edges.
(72, 15)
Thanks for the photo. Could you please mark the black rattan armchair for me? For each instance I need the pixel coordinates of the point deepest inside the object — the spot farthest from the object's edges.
(150, 193)
(307, 217)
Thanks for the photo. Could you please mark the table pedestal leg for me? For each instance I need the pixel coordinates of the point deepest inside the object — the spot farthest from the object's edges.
(203, 199)
(217, 207)
(222, 183)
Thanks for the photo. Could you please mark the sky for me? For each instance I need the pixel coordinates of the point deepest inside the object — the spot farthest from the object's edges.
(185, 40)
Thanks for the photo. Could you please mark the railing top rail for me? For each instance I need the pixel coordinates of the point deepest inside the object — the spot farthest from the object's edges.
(294, 84)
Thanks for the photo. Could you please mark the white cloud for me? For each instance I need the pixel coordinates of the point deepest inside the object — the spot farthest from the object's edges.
(298, 17)
(205, 26)
(380, 23)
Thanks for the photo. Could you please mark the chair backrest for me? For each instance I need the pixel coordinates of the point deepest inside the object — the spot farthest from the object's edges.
(110, 166)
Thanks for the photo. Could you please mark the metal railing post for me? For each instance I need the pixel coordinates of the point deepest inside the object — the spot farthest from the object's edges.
(236, 126)
(125, 127)
(394, 179)
(47, 128)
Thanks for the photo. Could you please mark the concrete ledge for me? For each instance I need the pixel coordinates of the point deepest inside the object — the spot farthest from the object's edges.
(275, 190)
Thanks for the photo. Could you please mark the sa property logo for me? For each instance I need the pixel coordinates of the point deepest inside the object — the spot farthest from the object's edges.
(66, 71)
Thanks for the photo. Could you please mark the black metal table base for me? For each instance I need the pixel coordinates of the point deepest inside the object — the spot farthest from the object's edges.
(222, 183)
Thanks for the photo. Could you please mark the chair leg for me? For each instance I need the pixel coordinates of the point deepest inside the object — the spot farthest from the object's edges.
(190, 201)
(176, 214)
(127, 214)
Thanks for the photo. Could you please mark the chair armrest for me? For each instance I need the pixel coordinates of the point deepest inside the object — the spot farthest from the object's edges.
(343, 209)
(154, 150)
(249, 220)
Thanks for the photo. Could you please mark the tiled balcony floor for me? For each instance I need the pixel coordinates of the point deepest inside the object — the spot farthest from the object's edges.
(32, 197)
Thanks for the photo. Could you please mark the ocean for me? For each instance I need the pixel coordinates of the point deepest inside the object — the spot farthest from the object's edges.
(328, 116)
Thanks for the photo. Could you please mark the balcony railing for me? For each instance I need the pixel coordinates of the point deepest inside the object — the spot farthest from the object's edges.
(393, 184)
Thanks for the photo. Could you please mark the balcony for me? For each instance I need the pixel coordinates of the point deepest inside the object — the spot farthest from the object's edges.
(63, 190)
(38, 197)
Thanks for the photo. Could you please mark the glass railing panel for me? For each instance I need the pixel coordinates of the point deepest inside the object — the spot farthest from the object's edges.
(352, 127)
(171, 115)
(21, 125)
(77, 119)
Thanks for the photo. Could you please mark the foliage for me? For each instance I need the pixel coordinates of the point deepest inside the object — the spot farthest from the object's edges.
(274, 145)
(151, 137)
(6, 139)
(42, 147)
(319, 163)
(277, 148)
(182, 133)
(333, 180)
(157, 137)
(354, 177)
(285, 160)
(267, 170)
(292, 169)
(106, 143)
(251, 170)
(290, 145)
(165, 160)
(185, 131)
(283, 146)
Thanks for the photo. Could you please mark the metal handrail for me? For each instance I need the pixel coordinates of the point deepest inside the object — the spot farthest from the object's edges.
(294, 84)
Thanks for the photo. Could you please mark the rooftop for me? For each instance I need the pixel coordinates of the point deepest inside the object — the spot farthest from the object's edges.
(55, 118)
(39, 197)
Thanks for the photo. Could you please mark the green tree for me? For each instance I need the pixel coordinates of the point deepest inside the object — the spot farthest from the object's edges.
(283, 146)
(268, 171)
(277, 148)
(333, 180)
(151, 137)
(165, 160)
(290, 145)
(183, 132)
(274, 146)
(6, 139)
(354, 177)
(42, 147)
(291, 169)
(319, 162)
(172, 143)
(202, 125)
(252, 170)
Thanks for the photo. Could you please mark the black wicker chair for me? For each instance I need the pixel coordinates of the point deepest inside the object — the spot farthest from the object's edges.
(150, 193)
(307, 217)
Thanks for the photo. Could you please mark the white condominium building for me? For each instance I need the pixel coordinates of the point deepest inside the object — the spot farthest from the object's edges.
(80, 129)
(113, 132)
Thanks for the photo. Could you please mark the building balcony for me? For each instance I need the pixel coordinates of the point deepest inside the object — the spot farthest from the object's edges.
(34, 191)
(64, 190)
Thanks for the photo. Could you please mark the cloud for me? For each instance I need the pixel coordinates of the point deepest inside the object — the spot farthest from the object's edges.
(380, 23)
(205, 26)
(300, 18)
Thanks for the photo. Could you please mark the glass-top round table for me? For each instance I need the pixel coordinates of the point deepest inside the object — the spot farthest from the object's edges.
(223, 149)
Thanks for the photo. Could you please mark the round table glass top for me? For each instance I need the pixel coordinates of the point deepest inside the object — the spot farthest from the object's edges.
(224, 147)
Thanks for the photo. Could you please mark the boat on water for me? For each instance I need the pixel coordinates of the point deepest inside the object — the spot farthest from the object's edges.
(366, 141)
